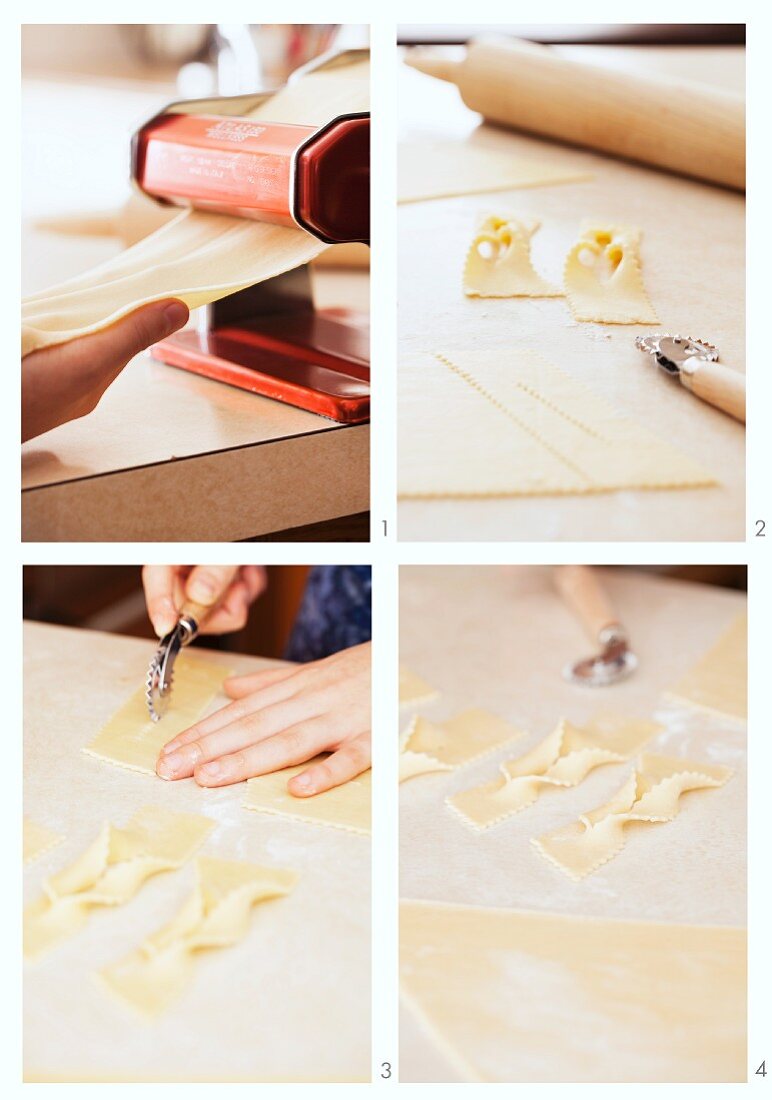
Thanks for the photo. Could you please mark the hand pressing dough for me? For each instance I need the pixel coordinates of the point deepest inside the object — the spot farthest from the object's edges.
(344, 807)
(216, 915)
(432, 747)
(198, 257)
(719, 681)
(602, 277)
(498, 263)
(484, 424)
(538, 997)
(110, 872)
(413, 691)
(563, 759)
(131, 738)
(650, 794)
(37, 839)
(436, 170)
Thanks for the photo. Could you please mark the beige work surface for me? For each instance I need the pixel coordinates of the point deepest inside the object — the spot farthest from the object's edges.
(291, 1001)
(693, 268)
(166, 455)
(498, 637)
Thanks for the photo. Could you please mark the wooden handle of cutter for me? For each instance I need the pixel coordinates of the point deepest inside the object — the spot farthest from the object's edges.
(685, 127)
(197, 611)
(582, 591)
(717, 384)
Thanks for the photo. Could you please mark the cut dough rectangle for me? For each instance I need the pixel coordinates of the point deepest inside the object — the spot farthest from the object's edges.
(563, 759)
(344, 807)
(719, 681)
(431, 747)
(602, 277)
(477, 424)
(651, 794)
(436, 170)
(537, 997)
(414, 691)
(36, 840)
(110, 872)
(498, 263)
(215, 915)
(132, 740)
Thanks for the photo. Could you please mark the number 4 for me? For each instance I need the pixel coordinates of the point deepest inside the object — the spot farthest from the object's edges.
(762, 1070)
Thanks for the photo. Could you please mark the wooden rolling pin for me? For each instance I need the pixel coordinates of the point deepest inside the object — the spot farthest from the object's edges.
(685, 127)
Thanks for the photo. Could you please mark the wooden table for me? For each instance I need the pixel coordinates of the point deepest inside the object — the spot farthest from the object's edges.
(498, 637)
(296, 1007)
(166, 455)
(693, 261)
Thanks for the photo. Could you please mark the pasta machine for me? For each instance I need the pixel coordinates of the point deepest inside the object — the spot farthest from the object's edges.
(269, 338)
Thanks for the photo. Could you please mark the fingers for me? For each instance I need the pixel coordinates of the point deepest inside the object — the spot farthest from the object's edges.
(116, 345)
(158, 582)
(232, 612)
(255, 577)
(292, 746)
(239, 686)
(208, 584)
(350, 760)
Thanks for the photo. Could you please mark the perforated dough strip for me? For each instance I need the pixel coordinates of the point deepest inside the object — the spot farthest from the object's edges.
(216, 915)
(110, 872)
(650, 794)
(132, 740)
(430, 747)
(482, 424)
(343, 807)
(563, 759)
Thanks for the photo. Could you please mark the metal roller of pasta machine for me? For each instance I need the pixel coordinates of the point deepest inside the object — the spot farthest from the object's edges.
(269, 338)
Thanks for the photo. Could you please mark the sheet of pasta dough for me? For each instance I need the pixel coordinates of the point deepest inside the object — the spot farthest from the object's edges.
(719, 682)
(344, 807)
(413, 690)
(436, 170)
(36, 840)
(480, 424)
(132, 740)
(506, 993)
(216, 915)
(198, 257)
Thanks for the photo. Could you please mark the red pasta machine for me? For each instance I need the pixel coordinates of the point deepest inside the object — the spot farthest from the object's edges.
(269, 338)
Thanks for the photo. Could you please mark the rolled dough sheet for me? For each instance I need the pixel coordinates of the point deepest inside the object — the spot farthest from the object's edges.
(132, 740)
(563, 759)
(498, 263)
(413, 691)
(602, 277)
(482, 424)
(110, 872)
(515, 996)
(36, 840)
(344, 807)
(198, 257)
(651, 795)
(430, 747)
(719, 682)
(436, 170)
(216, 915)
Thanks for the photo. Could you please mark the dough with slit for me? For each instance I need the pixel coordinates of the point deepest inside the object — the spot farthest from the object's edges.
(563, 759)
(498, 263)
(216, 915)
(110, 872)
(651, 794)
(36, 840)
(442, 746)
(133, 740)
(608, 287)
(508, 423)
(413, 690)
(508, 995)
(343, 807)
(198, 257)
(443, 169)
(719, 680)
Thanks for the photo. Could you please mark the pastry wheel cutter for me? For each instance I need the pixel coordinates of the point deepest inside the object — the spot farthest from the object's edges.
(695, 364)
(160, 674)
(582, 591)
